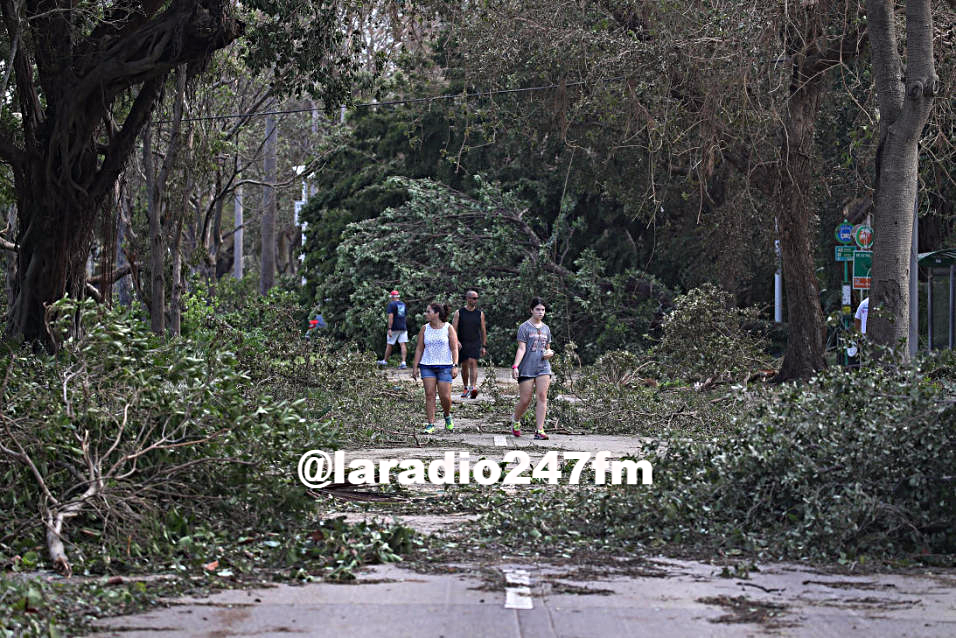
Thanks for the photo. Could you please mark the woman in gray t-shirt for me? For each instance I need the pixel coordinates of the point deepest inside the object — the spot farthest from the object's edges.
(532, 368)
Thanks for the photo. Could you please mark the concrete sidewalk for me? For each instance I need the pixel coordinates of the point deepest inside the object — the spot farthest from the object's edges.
(681, 599)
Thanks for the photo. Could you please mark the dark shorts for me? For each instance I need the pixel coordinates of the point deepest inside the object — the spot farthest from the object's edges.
(441, 373)
(543, 374)
(470, 350)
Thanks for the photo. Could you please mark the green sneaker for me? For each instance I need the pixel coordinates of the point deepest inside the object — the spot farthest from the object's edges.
(449, 423)
(430, 428)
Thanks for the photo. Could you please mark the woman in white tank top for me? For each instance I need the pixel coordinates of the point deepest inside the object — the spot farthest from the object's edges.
(436, 357)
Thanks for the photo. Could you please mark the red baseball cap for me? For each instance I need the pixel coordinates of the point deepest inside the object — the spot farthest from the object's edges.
(394, 293)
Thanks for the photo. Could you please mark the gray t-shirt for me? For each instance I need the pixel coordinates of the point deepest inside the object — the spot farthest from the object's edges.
(537, 340)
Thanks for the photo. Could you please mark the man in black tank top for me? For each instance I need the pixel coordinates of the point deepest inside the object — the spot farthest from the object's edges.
(469, 324)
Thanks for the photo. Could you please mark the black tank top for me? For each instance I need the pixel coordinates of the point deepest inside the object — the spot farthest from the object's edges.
(469, 325)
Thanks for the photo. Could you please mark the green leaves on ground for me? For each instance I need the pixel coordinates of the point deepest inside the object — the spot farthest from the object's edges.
(854, 465)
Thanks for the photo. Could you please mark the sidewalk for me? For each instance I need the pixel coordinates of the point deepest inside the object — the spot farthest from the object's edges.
(680, 599)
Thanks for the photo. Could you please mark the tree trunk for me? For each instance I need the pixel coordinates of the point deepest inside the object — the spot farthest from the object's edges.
(84, 96)
(54, 240)
(212, 233)
(268, 234)
(237, 237)
(11, 260)
(157, 246)
(158, 200)
(283, 260)
(176, 294)
(124, 288)
(215, 235)
(905, 105)
(797, 222)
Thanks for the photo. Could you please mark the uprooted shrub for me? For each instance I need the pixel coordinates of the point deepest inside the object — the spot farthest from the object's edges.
(850, 465)
(118, 424)
(704, 337)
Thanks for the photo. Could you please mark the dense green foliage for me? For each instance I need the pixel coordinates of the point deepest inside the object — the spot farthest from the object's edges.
(666, 173)
(451, 144)
(854, 465)
(605, 187)
(441, 242)
(704, 336)
(448, 144)
(142, 421)
(267, 335)
(191, 434)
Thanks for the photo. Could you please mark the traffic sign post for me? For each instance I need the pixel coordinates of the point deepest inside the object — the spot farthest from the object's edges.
(844, 253)
(854, 243)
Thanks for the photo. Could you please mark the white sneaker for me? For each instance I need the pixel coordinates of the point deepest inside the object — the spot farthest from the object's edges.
(382, 362)
(402, 365)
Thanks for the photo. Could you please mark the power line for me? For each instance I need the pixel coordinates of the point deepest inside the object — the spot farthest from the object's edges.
(419, 100)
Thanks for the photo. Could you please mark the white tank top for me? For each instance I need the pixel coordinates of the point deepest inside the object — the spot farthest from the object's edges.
(437, 351)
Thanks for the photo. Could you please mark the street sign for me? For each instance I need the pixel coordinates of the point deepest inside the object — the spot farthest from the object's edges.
(844, 232)
(863, 234)
(846, 295)
(843, 253)
(862, 261)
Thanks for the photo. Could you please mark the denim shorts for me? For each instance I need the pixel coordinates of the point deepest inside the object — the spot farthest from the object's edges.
(442, 373)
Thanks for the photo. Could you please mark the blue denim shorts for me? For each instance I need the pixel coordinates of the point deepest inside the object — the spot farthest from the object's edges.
(442, 373)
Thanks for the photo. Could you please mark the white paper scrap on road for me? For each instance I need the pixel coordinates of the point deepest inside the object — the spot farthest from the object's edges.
(500, 440)
(518, 577)
(518, 598)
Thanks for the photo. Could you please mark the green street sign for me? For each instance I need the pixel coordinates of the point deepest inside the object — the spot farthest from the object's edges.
(862, 261)
(843, 253)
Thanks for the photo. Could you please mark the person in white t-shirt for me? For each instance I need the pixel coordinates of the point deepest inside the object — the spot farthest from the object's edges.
(859, 320)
